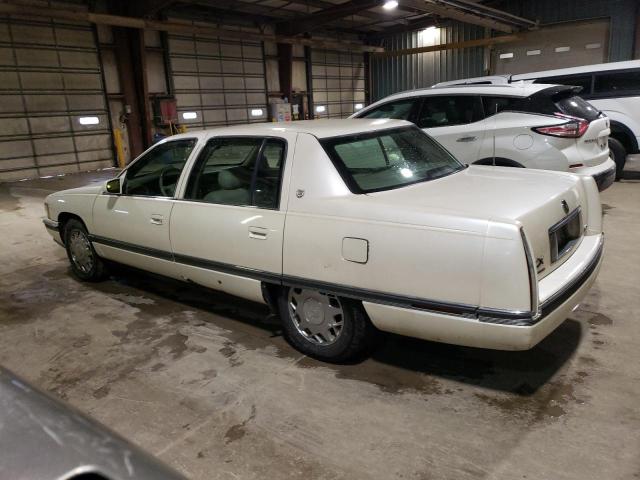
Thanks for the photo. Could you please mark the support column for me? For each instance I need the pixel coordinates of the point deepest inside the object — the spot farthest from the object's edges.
(131, 60)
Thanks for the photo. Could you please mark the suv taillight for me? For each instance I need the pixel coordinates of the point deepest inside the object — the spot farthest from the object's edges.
(574, 128)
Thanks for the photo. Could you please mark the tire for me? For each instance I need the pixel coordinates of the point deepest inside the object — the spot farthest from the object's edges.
(619, 154)
(353, 334)
(85, 262)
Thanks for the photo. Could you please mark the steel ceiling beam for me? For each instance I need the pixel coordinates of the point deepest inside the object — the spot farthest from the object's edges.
(7, 8)
(455, 14)
(481, 42)
(314, 20)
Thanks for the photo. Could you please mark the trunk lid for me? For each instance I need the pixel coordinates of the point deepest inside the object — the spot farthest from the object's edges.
(532, 197)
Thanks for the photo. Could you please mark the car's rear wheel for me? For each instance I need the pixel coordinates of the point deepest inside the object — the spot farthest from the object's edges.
(619, 155)
(85, 262)
(325, 326)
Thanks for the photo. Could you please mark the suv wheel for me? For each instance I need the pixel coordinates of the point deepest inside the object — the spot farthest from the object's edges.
(619, 155)
(325, 326)
(85, 262)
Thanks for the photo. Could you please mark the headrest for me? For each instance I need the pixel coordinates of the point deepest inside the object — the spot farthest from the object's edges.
(228, 181)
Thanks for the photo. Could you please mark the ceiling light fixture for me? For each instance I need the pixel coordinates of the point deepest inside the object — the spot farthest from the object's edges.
(390, 4)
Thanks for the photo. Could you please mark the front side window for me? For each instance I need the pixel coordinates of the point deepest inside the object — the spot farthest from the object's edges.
(156, 174)
(243, 171)
(444, 111)
(400, 110)
(613, 83)
(387, 159)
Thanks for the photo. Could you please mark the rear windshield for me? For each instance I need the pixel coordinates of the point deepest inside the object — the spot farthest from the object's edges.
(577, 107)
(563, 100)
(387, 159)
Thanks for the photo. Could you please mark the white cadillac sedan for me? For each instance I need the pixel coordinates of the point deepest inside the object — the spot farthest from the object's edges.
(347, 227)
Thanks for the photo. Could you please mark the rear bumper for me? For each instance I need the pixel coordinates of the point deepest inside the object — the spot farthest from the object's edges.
(604, 174)
(561, 291)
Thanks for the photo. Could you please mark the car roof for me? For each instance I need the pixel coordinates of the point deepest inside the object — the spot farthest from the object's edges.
(323, 128)
(600, 67)
(520, 89)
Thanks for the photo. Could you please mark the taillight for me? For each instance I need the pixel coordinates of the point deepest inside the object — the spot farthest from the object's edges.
(574, 128)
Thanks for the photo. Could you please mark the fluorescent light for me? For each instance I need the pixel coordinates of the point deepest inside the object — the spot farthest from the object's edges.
(89, 120)
(562, 49)
(358, 106)
(430, 34)
(506, 55)
(189, 115)
(256, 112)
(390, 4)
(591, 46)
(321, 109)
(533, 52)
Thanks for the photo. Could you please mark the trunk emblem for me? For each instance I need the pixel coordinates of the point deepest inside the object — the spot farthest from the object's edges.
(565, 207)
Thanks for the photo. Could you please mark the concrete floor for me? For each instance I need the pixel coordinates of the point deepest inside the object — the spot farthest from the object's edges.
(207, 383)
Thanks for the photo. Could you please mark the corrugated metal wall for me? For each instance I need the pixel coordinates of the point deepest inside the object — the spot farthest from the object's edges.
(622, 13)
(394, 74)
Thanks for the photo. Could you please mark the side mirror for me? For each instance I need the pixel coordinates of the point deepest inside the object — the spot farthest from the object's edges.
(113, 186)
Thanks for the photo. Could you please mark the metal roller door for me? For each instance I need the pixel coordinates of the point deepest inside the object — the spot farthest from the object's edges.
(217, 82)
(53, 116)
(338, 82)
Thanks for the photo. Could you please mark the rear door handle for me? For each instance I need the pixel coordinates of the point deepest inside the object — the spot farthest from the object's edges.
(467, 139)
(156, 219)
(259, 233)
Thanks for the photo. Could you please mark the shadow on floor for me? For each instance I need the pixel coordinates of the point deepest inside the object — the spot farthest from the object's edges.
(399, 363)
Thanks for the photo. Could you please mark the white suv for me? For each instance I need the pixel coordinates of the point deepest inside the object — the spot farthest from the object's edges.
(524, 125)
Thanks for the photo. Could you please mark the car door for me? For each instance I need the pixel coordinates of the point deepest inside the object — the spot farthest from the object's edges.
(504, 122)
(227, 229)
(456, 122)
(133, 227)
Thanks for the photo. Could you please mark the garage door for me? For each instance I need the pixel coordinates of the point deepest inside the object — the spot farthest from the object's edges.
(558, 46)
(338, 82)
(53, 116)
(217, 82)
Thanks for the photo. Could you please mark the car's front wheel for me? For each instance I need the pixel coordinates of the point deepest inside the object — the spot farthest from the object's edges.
(85, 262)
(325, 326)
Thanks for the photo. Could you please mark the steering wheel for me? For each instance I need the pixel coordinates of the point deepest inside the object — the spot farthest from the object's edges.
(168, 189)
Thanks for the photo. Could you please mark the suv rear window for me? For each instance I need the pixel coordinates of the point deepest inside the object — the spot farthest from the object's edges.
(577, 107)
(559, 99)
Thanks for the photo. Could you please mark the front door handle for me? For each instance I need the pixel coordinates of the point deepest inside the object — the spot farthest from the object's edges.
(156, 219)
(259, 233)
(467, 139)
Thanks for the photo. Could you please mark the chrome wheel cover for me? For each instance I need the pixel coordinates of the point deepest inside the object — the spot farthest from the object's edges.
(317, 316)
(80, 250)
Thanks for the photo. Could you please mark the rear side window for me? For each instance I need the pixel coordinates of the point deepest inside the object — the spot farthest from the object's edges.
(493, 105)
(243, 171)
(400, 110)
(583, 81)
(617, 82)
(444, 111)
